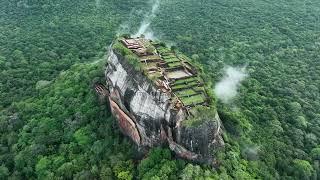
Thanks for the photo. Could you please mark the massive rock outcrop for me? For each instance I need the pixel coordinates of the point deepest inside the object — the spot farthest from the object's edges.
(151, 113)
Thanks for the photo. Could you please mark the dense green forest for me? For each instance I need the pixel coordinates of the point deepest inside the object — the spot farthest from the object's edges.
(53, 126)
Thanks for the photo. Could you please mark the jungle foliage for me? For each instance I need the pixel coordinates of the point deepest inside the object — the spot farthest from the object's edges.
(53, 126)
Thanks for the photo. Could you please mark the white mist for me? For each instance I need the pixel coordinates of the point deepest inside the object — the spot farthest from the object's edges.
(145, 24)
(227, 88)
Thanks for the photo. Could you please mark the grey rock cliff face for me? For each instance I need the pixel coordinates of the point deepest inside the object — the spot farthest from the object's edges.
(146, 115)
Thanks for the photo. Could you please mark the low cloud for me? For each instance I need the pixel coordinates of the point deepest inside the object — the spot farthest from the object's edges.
(227, 89)
(145, 24)
(98, 3)
(251, 153)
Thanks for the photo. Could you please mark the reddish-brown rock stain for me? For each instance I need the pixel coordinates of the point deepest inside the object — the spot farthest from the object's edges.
(125, 122)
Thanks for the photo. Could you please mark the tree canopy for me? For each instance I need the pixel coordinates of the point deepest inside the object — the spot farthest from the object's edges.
(52, 125)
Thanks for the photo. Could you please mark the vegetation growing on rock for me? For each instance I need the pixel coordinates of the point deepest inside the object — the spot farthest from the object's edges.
(276, 109)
